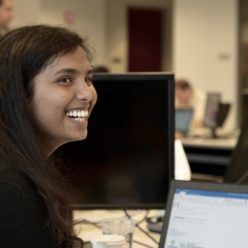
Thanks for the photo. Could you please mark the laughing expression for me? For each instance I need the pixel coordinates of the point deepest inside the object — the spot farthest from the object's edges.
(63, 99)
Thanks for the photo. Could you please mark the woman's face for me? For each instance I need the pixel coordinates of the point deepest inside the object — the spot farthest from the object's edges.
(63, 99)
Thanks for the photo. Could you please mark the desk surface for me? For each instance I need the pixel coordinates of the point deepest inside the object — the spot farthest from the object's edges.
(219, 143)
(209, 156)
(87, 231)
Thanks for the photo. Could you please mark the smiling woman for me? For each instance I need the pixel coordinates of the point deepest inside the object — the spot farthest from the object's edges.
(46, 97)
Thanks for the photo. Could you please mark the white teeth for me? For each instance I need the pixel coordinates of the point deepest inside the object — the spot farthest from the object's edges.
(77, 114)
(79, 119)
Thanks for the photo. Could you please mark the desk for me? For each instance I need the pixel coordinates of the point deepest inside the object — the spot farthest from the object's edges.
(209, 156)
(87, 231)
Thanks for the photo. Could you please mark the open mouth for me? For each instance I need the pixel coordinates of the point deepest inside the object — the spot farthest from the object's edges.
(78, 115)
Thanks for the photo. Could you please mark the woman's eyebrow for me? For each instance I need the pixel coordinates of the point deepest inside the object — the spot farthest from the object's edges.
(68, 70)
(73, 71)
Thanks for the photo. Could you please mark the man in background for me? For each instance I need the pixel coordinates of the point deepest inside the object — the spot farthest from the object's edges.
(6, 15)
(187, 97)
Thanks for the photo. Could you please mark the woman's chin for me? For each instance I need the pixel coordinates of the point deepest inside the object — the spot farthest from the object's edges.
(80, 136)
(75, 136)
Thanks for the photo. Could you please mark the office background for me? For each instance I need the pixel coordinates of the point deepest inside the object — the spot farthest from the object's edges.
(200, 39)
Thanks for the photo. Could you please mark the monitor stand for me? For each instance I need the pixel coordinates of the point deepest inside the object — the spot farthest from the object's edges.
(213, 133)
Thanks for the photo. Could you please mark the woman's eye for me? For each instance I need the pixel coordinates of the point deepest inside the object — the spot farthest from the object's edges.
(88, 80)
(65, 80)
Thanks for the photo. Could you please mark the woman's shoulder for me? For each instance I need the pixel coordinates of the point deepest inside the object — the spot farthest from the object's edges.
(13, 178)
(8, 172)
(16, 187)
(23, 216)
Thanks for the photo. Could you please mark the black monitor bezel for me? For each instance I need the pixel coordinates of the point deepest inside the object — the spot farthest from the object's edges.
(162, 76)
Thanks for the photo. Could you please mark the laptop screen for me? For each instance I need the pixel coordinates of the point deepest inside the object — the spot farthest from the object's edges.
(207, 218)
(183, 119)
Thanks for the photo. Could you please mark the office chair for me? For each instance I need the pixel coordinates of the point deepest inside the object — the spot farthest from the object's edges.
(237, 171)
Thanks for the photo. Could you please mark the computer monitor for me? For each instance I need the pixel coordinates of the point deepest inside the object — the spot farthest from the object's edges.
(205, 215)
(183, 117)
(224, 109)
(216, 112)
(127, 161)
(212, 110)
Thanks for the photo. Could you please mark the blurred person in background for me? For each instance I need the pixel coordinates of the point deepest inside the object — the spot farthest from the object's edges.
(188, 97)
(6, 15)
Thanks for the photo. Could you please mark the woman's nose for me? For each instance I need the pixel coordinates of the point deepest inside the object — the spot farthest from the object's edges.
(86, 92)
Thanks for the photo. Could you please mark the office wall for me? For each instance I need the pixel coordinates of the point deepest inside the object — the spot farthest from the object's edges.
(90, 18)
(25, 12)
(204, 36)
(206, 46)
(117, 33)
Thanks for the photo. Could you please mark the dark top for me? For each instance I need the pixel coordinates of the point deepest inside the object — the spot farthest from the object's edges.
(23, 216)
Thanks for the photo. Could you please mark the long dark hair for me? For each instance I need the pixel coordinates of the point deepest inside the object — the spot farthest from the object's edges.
(24, 52)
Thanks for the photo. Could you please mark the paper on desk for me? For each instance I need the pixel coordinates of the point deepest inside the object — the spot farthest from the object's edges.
(97, 216)
(182, 168)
